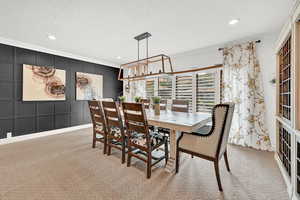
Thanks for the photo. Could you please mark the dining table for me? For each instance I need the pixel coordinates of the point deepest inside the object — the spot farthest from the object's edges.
(177, 122)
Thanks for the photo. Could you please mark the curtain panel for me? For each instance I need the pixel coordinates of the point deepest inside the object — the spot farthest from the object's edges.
(243, 86)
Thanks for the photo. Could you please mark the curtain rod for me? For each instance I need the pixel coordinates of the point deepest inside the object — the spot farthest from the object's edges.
(257, 41)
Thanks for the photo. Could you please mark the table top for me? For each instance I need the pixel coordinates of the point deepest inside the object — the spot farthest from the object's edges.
(179, 121)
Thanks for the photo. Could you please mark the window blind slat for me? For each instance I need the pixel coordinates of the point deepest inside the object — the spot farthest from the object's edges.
(206, 89)
(165, 87)
(184, 89)
(149, 88)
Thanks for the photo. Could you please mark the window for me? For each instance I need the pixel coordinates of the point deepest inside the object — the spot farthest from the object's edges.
(206, 91)
(184, 89)
(149, 88)
(165, 87)
(201, 89)
(285, 80)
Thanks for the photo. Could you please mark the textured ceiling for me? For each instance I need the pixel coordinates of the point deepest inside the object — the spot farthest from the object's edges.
(104, 30)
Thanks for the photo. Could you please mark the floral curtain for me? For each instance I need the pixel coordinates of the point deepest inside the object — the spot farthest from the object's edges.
(243, 86)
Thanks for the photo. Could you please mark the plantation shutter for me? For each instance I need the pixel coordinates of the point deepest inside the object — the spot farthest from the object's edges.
(184, 89)
(206, 91)
(149, 88)
(165, 87)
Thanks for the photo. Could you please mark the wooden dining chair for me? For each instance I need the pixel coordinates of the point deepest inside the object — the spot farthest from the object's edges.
(177, 106)
(163, 104)
(146, 103)
(180, 105)
(211, 145)
(115, 129)
(99, 126)
(141, 141)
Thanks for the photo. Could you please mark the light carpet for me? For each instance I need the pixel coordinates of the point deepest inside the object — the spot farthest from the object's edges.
(65, 167)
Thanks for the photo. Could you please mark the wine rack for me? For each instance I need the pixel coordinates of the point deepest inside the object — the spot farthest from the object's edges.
(285, 148)
(285, 80)
(298, 167)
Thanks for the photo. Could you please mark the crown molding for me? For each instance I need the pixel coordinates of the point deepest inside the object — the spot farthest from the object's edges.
(25, 45)
(288, 26)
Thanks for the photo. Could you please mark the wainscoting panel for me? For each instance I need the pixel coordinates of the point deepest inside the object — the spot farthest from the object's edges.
(23, 118)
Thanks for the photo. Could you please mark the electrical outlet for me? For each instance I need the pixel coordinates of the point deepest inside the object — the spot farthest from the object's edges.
(8, 134)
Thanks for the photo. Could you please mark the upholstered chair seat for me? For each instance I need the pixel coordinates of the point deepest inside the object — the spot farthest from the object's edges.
(115, 132)
(156, 139)
(209, 142)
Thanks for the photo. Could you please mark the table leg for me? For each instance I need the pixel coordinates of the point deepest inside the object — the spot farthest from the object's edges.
(170, 167)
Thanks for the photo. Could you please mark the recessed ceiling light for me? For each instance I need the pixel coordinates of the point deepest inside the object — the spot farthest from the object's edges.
(233, 21)
(51, 37)
(119, 57)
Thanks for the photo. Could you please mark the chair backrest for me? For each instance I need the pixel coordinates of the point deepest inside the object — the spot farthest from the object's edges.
(180, 105)
(163, 104)
(97, 116)
(146, 103)
(136, 120)
(226, 130)
(221, 123)
(113, 117)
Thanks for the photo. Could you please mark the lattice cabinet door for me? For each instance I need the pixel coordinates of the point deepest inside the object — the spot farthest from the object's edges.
(285, 80)
(297, 165)
(285, 143)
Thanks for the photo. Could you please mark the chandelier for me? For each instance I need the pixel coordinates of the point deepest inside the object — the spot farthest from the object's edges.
(147, 67)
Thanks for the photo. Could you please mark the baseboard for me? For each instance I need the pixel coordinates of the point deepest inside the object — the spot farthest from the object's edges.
(285, 176)
(42, 134)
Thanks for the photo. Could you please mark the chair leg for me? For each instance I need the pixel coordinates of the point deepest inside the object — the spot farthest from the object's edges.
(123, 152)
(129, 157)
(216, 163)
(166, 150)
(226, 161)
(149, 162)
(94, 139)
(109, 147)
(94, 143)
(105, 145)
(177, 161)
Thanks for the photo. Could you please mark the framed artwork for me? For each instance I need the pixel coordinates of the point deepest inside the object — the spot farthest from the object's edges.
(42, 83)
(89, 86)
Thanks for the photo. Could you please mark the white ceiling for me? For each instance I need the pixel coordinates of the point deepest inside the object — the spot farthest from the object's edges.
(104, 29)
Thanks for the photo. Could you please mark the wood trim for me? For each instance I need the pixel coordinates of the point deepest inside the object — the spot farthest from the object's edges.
(277, 83)
(198, 69)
